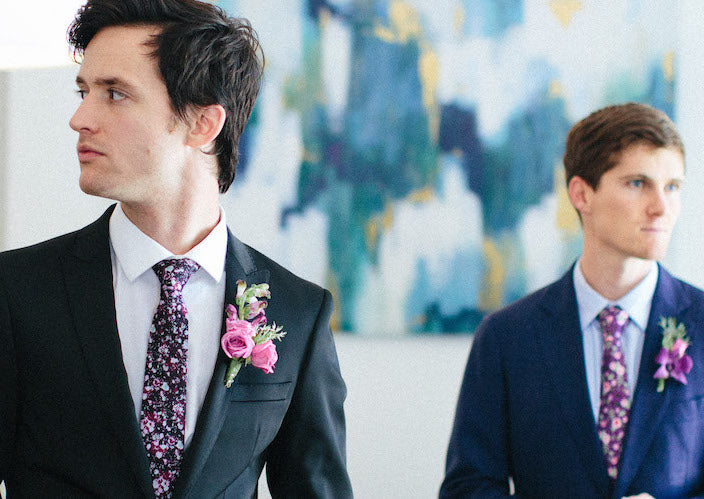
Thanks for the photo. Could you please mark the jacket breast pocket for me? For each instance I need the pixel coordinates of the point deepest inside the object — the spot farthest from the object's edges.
(260, 392)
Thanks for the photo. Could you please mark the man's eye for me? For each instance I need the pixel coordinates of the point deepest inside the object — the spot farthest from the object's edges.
(115, 95)
(81, 94)
(637, 183)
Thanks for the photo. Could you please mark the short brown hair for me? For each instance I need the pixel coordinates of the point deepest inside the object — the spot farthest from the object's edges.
(595, 143)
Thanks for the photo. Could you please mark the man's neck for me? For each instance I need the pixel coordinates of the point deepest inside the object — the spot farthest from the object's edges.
(178, 225)
(612, 276)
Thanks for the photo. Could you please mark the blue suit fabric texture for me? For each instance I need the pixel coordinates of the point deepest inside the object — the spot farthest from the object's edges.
(67, 421)
(524, 409)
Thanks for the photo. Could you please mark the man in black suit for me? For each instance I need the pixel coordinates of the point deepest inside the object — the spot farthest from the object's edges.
(101, 341)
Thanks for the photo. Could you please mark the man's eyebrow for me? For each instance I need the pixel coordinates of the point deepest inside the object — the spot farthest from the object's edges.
(642, 176)
(108, 81)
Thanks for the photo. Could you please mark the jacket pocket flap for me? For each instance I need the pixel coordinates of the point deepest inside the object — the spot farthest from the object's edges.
(253, 392)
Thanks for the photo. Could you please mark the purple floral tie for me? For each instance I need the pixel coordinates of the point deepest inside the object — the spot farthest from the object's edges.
(614, 404)
(163, 414)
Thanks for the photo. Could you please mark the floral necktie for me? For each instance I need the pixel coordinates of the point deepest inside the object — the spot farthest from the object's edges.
(615, 404)
(163, 413)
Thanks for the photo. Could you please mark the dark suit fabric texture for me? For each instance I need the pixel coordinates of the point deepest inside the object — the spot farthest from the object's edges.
(524, 409)
(67, 421)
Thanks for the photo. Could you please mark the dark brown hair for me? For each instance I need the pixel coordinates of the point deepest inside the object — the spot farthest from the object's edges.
(205, 58)
(595, 143)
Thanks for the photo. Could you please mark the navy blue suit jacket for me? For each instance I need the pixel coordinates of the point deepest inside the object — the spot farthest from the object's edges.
(524, 408)
(67, 421)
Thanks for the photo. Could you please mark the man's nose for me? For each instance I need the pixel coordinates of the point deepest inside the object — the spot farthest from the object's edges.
(85, 118)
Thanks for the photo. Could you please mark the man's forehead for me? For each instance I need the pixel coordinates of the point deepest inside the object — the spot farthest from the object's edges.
(651, 162)
(123, 41)
(119, 54)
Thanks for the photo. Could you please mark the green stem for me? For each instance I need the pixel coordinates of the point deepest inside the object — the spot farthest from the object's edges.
(235, 366)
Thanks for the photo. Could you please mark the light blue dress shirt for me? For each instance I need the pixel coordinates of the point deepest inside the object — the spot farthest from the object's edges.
(636, 303)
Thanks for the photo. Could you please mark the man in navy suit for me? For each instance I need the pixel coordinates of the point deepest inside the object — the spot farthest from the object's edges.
(537, 401)
(112, 376)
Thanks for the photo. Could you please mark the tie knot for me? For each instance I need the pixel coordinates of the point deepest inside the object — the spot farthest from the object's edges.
(175, 272)
(613, 320)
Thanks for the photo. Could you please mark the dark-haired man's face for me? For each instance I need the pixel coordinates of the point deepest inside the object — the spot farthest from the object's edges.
(634, 208)
(130, 144)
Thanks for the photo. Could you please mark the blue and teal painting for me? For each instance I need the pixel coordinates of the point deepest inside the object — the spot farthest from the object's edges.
(406, 154)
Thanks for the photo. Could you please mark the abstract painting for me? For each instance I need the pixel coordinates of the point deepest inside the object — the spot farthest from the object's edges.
(407, 154)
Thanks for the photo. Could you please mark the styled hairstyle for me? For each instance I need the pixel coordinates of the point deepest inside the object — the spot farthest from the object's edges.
(595, 143)
(204, 56)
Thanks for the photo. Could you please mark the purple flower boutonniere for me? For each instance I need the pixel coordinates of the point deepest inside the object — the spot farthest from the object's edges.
(248, 339)
(674, 363)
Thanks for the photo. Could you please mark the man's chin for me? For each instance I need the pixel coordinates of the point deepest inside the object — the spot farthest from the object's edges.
(94, 189)
(654, 254)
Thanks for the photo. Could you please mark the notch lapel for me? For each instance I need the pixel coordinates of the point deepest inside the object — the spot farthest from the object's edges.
(560, 337)
(238, 265)
(88, 275)
(648, 405)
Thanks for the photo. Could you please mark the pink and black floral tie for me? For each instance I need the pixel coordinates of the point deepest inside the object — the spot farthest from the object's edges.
(615, 404)
(163, 414)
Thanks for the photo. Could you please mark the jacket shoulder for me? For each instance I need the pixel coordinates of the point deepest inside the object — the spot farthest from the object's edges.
(555, 295)
(51, 250)
(281, 276)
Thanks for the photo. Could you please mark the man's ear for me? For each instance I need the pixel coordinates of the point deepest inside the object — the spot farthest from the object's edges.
(205, 125)
(580, 193)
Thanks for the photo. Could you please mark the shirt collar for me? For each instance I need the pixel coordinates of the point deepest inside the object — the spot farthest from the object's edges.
(636, 302)
(136, 252)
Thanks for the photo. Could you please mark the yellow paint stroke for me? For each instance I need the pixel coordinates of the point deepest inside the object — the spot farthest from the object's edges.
(490, 297)
(404, 20)
(371, 233)
(378, 225)
(458, 17)
(424, 195)
(566, 216)
(565, 10)
(404, 24)
(309, 156)
(387, 218)
(668, 66)
(556, 90)
(384, 34)
(332, 284)
(429, 73)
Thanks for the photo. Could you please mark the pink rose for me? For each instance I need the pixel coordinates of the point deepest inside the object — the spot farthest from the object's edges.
(264, 356)
(244, 328)
(237, 341)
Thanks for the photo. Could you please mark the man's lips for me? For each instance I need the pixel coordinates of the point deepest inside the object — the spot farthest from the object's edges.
(87, 153)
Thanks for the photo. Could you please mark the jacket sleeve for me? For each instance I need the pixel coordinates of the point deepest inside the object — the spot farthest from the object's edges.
(477, 459)
(8, 387)
(307, 458)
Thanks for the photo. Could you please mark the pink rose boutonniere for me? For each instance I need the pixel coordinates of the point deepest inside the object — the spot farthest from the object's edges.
(248, 339)
(673, 361)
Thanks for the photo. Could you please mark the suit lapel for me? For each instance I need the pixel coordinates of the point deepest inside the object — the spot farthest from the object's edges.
(238, 265)
(563, 350)
(648, 405)
(88, 274)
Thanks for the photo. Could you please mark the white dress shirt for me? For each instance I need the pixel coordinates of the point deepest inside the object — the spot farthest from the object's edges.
(137, 293)
(636, 303)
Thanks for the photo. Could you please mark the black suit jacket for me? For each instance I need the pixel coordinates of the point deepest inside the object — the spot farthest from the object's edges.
(67, 420)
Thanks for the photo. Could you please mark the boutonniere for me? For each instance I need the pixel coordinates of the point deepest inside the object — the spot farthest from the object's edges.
(674, 363)
(248, 339)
